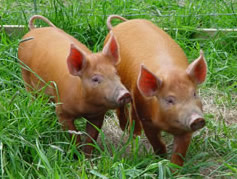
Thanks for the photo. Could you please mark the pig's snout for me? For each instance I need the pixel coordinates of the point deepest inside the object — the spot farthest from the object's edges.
(197, 122)
(124, 97)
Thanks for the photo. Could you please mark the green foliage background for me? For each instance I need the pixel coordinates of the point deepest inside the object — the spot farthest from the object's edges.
(32, 143)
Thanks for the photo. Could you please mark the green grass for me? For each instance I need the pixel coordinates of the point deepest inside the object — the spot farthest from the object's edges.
(32, 143)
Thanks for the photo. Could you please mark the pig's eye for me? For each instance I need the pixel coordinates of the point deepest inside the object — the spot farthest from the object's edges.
(170, 100)
(96, 79)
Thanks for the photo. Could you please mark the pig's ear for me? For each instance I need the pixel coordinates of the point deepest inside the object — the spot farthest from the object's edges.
(197, 70)
(111, 49)
(76, 61)
(147, 83)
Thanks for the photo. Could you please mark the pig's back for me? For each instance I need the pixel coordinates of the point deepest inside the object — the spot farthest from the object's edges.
(47, 51)
(141, 42)
(46, 55)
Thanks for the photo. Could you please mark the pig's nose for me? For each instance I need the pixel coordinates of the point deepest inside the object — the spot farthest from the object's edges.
(124, 98)
(197, 123)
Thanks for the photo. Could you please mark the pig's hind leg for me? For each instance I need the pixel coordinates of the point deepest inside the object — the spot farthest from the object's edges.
(26, 77)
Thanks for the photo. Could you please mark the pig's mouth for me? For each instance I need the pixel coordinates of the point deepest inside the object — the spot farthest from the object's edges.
(124, 99)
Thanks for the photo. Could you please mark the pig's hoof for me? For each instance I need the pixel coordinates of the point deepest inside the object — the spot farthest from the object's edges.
(197, 124)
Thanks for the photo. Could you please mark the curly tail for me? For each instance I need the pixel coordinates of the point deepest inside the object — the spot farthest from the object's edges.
(109, 26)
(32, 19)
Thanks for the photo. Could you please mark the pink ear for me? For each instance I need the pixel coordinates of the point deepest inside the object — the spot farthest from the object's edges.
(76, 61)
(111, 49)
(147, 83)
(197, 70)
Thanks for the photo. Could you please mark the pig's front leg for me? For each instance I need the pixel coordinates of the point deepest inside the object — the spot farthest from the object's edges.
(181, 143)
(143, 111)
(122, 114)
(134, 117)
(92, 132)
(67, 122)
(154, 136)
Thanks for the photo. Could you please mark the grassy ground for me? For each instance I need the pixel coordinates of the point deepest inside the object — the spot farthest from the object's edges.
(32, 143)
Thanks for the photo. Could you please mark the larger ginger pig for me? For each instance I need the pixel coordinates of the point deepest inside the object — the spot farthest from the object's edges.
(162, 84)
(84, 84)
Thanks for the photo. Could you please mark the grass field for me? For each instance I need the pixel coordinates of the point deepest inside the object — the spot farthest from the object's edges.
(32, 143)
